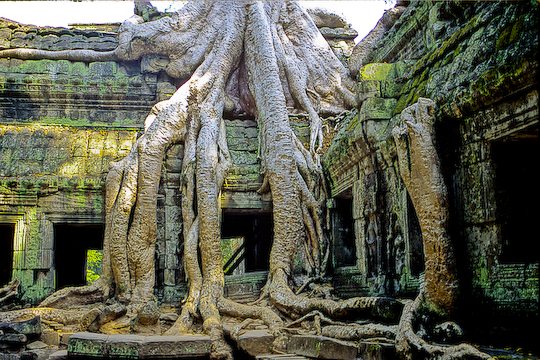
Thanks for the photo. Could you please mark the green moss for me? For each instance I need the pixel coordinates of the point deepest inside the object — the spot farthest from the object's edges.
(376, 71)
(447, 45)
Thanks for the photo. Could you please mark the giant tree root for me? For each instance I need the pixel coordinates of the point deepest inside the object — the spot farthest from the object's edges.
(420, 170)
(9, 291)
(411, 346)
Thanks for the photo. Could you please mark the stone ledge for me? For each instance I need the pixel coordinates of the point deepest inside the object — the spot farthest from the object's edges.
(321, 347)
(91, 345)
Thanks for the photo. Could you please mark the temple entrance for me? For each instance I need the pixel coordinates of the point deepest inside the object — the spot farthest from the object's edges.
(74, 248)
(7, 233)
(246, 241)
(344, 239)
(517, 193)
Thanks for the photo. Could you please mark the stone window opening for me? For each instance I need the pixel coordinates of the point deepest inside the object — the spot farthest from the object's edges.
(344, 237)
(7, 239)
(515, 159)
(246, 241)
(73, 247)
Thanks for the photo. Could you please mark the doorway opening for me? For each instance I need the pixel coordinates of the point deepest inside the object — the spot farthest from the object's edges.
(344, 239)
(517, 195)
(416, 242)
(7, 235)
(75, 247)
(246, 240)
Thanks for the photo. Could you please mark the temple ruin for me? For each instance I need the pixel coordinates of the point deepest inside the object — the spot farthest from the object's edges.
(63, 123)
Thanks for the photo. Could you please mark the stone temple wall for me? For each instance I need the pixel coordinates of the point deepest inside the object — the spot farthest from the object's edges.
(478, 61)
(62, 123)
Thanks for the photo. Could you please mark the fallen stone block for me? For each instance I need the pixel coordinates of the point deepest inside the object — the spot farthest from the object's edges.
(36, 345)
(321, 347)
(64, 338)
(12, 340)
(87, 345)
(256, 342)
(50, 337)
(59, 355)
(374, 350)
(175, 347)
(31, 328)
(90, 345)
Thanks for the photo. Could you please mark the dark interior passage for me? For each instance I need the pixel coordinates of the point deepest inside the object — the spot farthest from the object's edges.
(256, 229)
(344, 239)
(71, 242)
(517, 193)
(7, 233)
(416, 242)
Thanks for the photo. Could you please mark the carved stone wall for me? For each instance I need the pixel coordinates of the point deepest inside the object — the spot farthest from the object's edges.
(61, 125)
(478, 61)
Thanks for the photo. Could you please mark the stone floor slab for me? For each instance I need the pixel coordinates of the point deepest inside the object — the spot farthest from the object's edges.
(321, 347)
(90, 345)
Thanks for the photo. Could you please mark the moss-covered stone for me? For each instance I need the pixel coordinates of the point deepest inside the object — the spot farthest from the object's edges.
(376, 109)
(376, 71)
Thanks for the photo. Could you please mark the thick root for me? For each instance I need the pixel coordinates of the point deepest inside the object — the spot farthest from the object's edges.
(9, 291)
(411, 346)
(358, 332)
(75, 296)
(381, 308)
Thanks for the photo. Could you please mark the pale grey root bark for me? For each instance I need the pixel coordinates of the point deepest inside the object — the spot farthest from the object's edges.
(9, 291)
(420, 169)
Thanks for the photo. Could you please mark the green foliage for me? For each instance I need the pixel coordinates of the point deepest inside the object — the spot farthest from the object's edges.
(94, 259)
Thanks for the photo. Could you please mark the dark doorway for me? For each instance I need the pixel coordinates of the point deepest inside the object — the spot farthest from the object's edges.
(344, 239)
(71, 245)
(416, 242)
(7, 233)
(248, 238)
(517, 195)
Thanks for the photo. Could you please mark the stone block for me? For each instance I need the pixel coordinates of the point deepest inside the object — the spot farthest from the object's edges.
(64, 338)
(372, 350)
(377, 109)
(35, 345)
(256, 342)
(59, 355)
(244, 157)
(368, 89)
(13, 339)
(376, 71)
(50, 337)
(124, 346)
(321, 347)
(87, 344)
(30, 328)
(391, 88)
(176, 347)
(90, 345)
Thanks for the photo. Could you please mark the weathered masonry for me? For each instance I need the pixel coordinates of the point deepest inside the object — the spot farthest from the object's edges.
(62, 123)
(478, 61)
